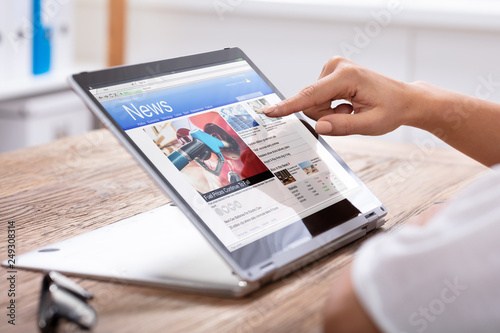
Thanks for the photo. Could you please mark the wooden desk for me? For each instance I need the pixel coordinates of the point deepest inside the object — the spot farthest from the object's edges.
(78, 184)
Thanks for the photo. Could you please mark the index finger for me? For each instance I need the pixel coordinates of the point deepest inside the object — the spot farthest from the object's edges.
(321, 91)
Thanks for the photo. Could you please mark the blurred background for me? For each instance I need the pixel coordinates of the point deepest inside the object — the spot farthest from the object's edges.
(454, 44)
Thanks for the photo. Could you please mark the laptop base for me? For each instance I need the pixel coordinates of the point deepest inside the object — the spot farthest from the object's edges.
(159, 248)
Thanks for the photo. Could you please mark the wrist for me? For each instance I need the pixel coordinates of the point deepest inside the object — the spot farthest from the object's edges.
(432, 108)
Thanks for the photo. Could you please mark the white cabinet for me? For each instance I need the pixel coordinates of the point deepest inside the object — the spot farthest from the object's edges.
(38, 120)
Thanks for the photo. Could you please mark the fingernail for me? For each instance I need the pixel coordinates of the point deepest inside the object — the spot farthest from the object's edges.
(269, 109)
(323, 127)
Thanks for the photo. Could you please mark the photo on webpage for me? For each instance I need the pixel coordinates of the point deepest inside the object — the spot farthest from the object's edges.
(209, 153)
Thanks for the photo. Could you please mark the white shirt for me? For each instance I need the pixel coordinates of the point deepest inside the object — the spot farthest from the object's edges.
(441, 277)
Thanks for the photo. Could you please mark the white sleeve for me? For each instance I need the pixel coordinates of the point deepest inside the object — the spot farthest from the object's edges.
(442, 277)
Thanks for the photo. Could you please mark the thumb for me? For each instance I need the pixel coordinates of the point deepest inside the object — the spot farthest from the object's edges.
(366, 123)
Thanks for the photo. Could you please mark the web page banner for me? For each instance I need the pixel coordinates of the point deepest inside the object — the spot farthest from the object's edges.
(180, 101)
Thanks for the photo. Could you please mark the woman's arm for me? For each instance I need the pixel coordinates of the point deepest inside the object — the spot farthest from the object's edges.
(343, 313)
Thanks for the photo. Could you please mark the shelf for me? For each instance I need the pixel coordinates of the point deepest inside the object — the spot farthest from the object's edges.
(40, 85)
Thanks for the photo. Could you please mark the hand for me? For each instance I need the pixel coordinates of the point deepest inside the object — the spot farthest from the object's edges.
(379, 104)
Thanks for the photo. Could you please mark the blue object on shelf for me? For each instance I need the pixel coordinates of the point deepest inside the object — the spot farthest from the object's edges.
(42, 36)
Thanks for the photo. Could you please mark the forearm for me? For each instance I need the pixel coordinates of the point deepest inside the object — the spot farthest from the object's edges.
(343, 312)
(466, 123)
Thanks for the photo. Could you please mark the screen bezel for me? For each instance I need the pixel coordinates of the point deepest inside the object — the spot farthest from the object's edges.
(82, 83)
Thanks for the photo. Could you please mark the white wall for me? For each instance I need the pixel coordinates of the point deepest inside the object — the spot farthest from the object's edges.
(453, 44)
(90, 31)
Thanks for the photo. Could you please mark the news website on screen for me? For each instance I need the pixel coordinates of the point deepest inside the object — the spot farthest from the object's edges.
(246, 175)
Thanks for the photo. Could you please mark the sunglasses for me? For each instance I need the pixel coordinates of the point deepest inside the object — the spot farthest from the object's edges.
(61, 298)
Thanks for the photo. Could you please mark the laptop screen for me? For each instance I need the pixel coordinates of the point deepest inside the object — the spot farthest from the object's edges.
(244, 174)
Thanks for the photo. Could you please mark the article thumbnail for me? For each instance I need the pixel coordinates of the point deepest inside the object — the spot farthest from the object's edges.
(238, 118)
(285, 177)
(308, 167)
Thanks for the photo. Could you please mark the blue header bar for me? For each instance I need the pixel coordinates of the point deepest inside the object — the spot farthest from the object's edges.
(180, 101)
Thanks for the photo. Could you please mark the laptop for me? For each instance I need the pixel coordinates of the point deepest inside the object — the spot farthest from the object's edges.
(253, 198)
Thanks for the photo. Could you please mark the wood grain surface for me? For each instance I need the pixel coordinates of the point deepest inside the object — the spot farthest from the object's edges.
(71, 186)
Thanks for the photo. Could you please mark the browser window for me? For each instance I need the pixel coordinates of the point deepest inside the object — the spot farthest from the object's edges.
(245, 174)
